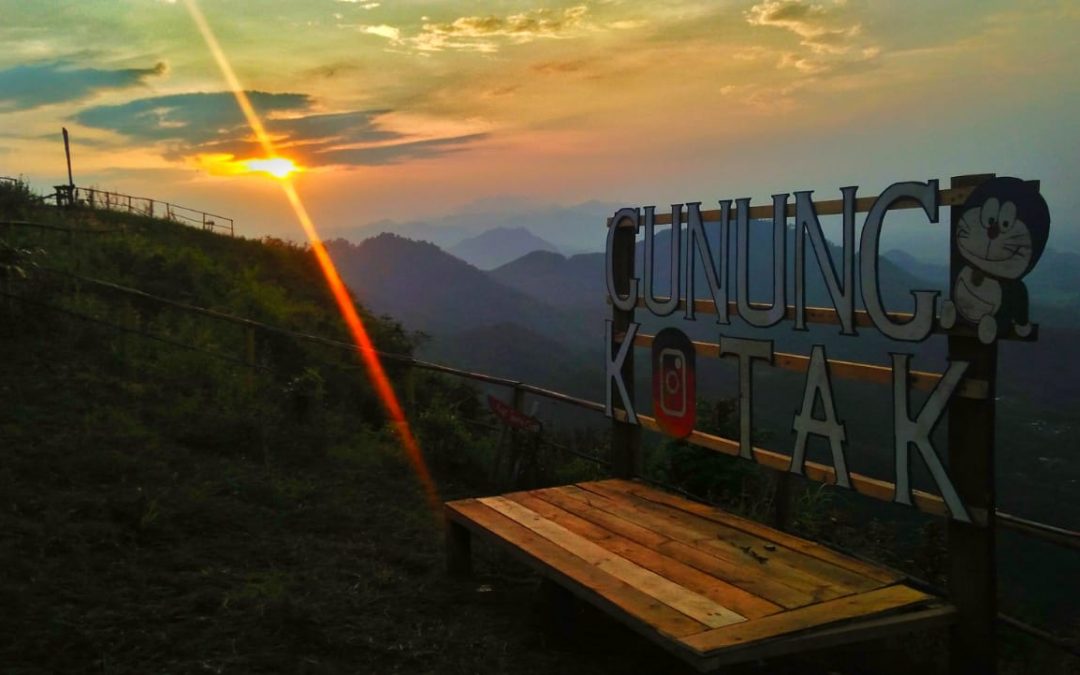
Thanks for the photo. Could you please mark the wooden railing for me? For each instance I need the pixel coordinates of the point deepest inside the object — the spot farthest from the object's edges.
(93, 198)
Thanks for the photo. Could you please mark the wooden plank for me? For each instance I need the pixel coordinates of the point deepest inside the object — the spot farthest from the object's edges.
(740, 565)
(717, 590)
(833, 635)
(828, 316)
(694, 605)
(745, 577)
(826, 207)
(850, 370)
(626, 455)
(822, 473)
(780, 559)
(790, 541)
(866, 604)
(823, 315)
(621, 600)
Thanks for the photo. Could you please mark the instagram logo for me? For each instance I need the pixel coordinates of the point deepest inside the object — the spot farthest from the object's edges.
(673, 381)
(673, 384)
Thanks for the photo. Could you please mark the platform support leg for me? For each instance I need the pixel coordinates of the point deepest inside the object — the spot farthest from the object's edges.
(562, 609)
(458, 550)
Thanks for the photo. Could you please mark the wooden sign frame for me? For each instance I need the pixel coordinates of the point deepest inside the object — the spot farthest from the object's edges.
(970, 382)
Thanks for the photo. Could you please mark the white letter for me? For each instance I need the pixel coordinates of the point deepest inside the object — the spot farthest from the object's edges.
(908, 432)
(624, 302)
(763, 318)
(665, 307)
(615, 368)
(696, 239)
(747, 351)
(842, 294)
(817, 383)
(923, 321)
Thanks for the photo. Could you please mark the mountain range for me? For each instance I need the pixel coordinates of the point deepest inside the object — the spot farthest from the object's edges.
(503, 315)
(499, 246)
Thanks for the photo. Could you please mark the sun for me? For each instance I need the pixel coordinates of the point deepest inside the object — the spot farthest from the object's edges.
(278, 167)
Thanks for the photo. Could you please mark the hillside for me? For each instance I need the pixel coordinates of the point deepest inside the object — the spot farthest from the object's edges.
(430, 290)
(511, 351)
(572, 282)
(167, 509)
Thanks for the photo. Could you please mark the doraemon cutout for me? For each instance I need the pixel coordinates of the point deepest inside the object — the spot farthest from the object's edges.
(1000, 237)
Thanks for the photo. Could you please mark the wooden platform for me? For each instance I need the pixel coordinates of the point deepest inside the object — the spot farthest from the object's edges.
(711, 587)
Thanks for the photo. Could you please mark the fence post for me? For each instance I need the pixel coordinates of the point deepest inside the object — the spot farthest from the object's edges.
(410, 389)
(249, 353)
(972, 556)
(782, 499)
(625, 438)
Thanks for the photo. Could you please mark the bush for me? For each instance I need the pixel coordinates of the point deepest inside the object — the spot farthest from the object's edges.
(15, 198)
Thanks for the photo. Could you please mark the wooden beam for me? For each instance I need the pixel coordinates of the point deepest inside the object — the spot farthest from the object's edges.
(907, 620)
(865, 485)
(828, 316)
(829, 207)
(840, 609)
(972, 549)
(626, 455)
(850, 370)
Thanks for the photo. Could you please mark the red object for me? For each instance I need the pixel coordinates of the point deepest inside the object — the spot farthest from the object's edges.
(674, 383)
(514, 418)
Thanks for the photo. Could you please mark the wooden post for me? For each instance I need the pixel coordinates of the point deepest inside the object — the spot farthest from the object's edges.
(249, 354)
(458, 550)
(249, 351)
(782, 500)
(625, 438)
(410, 389)
(71, 179)
(519, 399)
(972, 559)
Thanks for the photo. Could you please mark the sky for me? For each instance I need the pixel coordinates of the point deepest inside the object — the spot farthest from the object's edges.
(413, 109)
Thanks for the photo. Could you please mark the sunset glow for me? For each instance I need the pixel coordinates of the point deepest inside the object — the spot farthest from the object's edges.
(365, 347)
(412, 111)
(278, 167)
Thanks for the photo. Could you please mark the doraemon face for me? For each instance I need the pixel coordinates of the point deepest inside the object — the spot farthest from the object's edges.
(1003, 229)
(993, 239)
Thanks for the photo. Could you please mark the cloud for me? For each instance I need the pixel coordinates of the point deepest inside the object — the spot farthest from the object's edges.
(38, 84)
(487, 33)
(828, 30)
(398, 152)
(190, 120)
(560, 67)
(822, 27)
(382, 30)
(187, 126)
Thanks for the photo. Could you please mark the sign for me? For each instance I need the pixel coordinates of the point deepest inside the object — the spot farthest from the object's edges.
(514, 418)
(674, 382)
(996, 241)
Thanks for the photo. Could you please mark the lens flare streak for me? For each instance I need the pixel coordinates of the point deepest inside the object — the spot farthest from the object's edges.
(376, 372)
